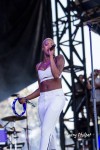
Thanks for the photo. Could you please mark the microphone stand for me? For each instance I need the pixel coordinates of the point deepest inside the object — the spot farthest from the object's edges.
(27, 134)
(93, 90)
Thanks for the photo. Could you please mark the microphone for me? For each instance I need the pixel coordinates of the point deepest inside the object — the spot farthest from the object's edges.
(52, 47)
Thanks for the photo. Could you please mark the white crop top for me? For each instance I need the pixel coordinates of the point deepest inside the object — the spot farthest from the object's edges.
(45, 74)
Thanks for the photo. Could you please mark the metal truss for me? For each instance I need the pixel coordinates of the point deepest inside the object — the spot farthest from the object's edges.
(69, 36)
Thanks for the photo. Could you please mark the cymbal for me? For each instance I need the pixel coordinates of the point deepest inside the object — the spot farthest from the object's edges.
(13, 118)
(14, 95)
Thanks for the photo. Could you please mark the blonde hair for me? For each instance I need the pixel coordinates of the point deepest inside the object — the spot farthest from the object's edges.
(47, 39)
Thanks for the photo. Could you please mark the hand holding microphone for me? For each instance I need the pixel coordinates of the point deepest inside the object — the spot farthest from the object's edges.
(52, 47)
(51, 50)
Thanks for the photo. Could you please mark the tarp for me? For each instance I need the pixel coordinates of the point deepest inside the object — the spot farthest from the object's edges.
(23, 26)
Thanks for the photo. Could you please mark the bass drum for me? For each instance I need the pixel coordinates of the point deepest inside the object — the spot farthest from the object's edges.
(3, 137)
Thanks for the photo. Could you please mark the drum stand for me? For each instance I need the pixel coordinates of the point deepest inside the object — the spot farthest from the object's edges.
(15, 139)
(14, 132)
(10, 142)
(10, 138)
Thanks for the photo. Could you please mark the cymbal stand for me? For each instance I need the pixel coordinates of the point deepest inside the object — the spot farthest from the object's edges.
(10, 142)
(15, 141)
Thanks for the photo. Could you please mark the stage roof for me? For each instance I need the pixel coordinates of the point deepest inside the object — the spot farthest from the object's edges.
(89, 12)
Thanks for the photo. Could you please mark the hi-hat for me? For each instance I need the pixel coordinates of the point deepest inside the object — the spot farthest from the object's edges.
(13, 118)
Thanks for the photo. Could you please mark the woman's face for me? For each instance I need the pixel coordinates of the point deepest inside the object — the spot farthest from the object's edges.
(47, 44)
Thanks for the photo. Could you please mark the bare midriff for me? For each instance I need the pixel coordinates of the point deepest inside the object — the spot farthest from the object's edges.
(51, 84)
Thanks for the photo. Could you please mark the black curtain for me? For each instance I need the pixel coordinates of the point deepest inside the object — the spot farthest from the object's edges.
(23, 26)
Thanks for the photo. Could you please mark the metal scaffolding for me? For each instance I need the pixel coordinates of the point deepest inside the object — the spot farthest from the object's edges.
(69, 36)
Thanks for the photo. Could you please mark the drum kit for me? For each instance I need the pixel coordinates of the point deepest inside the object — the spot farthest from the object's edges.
(6, 135)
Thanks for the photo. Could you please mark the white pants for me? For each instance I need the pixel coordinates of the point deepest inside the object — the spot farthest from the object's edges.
(51, 104)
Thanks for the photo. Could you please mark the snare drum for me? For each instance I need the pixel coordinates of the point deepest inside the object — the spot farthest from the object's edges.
(3, 136)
